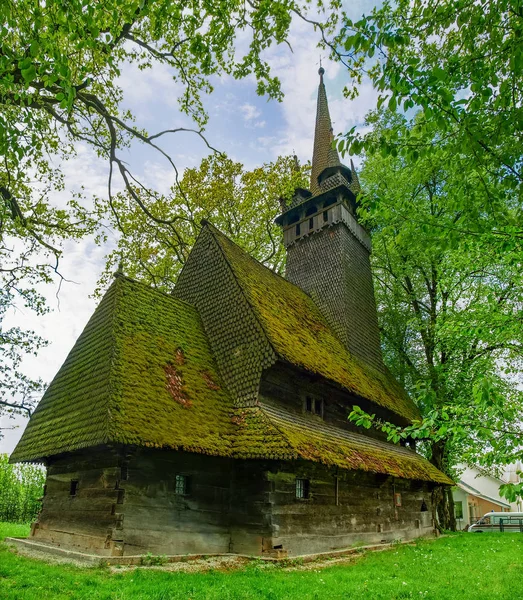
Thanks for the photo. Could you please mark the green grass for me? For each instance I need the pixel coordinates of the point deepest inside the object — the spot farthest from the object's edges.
(461, 566)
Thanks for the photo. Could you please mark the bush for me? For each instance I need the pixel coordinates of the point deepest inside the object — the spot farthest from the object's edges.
(21, 487)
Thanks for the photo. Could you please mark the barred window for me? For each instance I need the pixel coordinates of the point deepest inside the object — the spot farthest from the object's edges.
(181, 485)
(302, 488)
(314, 406)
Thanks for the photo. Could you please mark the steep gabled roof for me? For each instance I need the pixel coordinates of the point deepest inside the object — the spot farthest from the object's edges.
(140, 373)
(299, 334)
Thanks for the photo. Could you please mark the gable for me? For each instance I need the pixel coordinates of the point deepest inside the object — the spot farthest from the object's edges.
(238, 341)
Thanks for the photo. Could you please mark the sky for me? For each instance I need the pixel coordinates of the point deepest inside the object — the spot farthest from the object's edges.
(247, 127)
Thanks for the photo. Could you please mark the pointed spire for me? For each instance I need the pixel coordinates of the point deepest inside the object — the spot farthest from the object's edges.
(324, 155)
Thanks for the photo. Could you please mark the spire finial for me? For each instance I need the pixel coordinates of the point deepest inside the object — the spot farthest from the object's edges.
(324, 154)
(119, 271)
(321, 71)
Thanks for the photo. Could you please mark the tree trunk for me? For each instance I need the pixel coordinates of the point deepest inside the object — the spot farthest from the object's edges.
(442, 498)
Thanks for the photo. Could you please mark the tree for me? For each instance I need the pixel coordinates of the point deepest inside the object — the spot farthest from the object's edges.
(31, 233)
(450, 304)
(243, 204)
(460, 63)
(59, 67)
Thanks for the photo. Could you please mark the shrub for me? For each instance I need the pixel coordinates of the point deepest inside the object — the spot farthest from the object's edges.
(21, 487)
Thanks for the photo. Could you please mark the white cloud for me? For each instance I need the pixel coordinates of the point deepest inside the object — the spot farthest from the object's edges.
(249, 111)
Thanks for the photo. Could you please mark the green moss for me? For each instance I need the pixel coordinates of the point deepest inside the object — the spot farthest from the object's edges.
(114, 386)
(299, 333)
(323, 443)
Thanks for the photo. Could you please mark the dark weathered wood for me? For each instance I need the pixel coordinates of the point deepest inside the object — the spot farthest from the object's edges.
(244, 506)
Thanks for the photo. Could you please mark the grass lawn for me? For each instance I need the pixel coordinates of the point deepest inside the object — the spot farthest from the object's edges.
(461, 566)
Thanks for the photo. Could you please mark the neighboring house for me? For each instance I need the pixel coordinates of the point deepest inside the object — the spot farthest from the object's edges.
(214, 419)
(476, 494)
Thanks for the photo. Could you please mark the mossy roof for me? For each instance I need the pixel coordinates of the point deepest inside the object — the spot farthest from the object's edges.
(300, 335)
(270, 432)
(140, 373)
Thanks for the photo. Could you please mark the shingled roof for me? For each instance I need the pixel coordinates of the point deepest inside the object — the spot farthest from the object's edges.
(270, 432)
(324, 155)
(142, 373)
(298, 333)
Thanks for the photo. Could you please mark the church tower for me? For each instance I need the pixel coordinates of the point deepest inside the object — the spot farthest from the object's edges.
(328, 250)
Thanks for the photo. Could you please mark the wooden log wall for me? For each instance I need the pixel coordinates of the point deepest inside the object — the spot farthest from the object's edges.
(87, 520)
(126, 504)
(344, 508)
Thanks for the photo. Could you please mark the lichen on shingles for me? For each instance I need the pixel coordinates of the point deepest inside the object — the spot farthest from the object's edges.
(300, 335)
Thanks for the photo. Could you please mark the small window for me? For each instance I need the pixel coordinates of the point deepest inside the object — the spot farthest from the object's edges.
(318, 407)
(302, 489)
(298, 232)
(308, 404)
(311, 223)
(181, 486)
(458, 510)
(325, 216)
(314, 406)
(74, 487)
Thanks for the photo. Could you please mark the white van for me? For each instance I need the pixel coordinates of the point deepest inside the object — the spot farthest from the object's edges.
(499, 521)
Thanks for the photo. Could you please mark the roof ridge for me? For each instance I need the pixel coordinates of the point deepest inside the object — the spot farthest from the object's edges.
(153, 289)
(275, 273)
(259, 409)
(118, 282)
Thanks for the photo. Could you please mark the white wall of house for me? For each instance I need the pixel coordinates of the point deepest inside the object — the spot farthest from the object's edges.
(487, 498)
(461, 497)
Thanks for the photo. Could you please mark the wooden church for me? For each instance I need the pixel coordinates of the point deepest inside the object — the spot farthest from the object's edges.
(214, 420)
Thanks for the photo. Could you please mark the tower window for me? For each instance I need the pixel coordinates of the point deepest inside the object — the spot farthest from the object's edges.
(181, 485)
(325, 216)
(298, 232)
(302, 489)
(73, 488)
(311, 223)
(311, 210)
